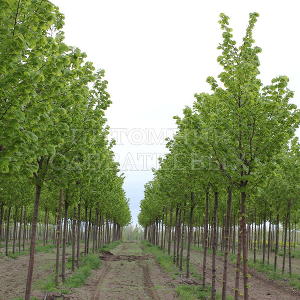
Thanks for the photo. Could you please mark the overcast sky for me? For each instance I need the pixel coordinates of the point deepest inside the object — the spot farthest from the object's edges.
(158, 53)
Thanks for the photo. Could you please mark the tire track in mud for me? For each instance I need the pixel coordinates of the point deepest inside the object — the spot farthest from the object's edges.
(104, 272)
(148, 284)
(110, 264)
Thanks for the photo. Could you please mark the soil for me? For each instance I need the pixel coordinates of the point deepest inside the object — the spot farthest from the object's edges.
(127, 273)
(13, 273)
(260, 287)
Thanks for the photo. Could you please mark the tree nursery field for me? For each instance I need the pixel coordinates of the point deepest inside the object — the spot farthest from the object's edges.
(219, 219)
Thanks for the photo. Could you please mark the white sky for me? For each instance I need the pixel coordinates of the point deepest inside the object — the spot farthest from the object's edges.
(158, 53)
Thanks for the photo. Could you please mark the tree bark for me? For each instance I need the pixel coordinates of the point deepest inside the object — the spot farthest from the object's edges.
(205, 240)
(38, 189)
(228, 214)
(58, 234)
(214, 247)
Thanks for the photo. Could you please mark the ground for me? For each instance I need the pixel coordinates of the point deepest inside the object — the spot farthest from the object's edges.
(260, 287)
(127, 272)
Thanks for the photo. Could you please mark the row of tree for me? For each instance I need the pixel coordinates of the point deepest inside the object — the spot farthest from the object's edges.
(232, 170)
(57, 166)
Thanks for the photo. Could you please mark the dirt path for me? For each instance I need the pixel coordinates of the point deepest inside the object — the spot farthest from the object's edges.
(260, 287)
(13, 273)
(127, 273)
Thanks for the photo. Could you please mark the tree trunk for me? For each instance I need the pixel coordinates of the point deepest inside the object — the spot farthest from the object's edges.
(73, 239)
(58, 234)
(205, 237)
(78, 237)
(244, 244)
(276, 242)
(7, 230)
(190, 235)
(15, 230)
(238, 263)
(38, 189)
(170, 235)
(214, 247)
(228, 214)
(63, 259)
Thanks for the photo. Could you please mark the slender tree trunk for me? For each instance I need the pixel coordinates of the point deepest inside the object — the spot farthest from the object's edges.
(269, 239)
(86, 232)
(228, 214)
(24, 230)
(1, 221)
(178, 236)
(89, 231)
(38, 189)
(238, 263)
(190, 235)
(289, 247)
(78, 237)
(244, 245)
(7, 230)
(276, 242)
(284, 244)
(170, 232)
(175, 239)
(182, 243)
(20, 229)
(73, 239)
(255, 237)
(15, 230)
(214, 247)
(205, 237)
(264, 237)
(58, 234)
(63, 259)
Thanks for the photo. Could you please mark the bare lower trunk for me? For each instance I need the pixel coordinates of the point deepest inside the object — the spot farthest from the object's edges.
(63, 259)
(238, 264)
(38, 189)
(58, 234)
(73, 239)
(205, 240)
(276, 242)
(7, 231)
(228, 213)
(190, 235)
(78, 237)
(244, 245)
(214, 247)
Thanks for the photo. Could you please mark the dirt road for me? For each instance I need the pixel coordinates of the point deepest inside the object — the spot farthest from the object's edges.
(127, 273)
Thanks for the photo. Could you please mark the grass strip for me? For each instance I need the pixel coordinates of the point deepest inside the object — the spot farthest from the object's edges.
(184, 291)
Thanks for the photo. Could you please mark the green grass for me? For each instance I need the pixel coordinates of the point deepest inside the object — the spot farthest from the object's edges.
(294, 253)
(189, 292)
(165, 261)
(38, 249)
(184, 291)
(79, 277)
(268, 269)
(293, 279)
(32, 298)
(110, 246)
